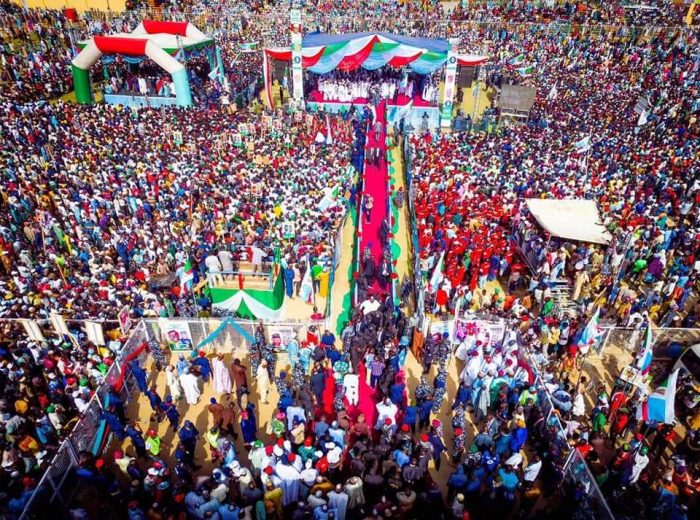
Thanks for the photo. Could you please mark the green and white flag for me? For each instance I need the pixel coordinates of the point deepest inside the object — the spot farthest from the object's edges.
(249, 47)
(518, 59)
(526, 71)
(187, 275)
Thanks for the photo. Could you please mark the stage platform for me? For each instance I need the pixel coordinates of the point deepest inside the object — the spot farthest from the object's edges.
(129, 100)
(401, 107)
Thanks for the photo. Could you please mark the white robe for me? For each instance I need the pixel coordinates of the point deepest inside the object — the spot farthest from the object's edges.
(351, 383)
(173, 385)
(262, 379)
(385, 410)
(338, 501)
(222, 378)
(640, 462)
(290, 483)
(190, 385)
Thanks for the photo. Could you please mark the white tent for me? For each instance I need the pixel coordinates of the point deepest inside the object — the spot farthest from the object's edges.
(575, 219)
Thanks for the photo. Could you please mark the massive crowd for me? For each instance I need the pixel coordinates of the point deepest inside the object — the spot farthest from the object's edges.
(101, 203)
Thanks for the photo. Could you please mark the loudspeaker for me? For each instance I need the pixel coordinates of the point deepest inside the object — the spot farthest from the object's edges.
(466, 76)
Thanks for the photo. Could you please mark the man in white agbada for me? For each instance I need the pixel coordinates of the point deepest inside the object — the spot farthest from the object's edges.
(262, 378)
(190, 385)
(289, 479)
(471, 369)
(386, 409)
(351, 384)
(532, 470)
(640, 462)
(173, 383)
(338, 500)
(222, 377)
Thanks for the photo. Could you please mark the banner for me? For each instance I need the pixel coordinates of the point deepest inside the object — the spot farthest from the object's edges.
(93, 330)
(297, 74)
(177, 334)
(450, 79)
(124, 319)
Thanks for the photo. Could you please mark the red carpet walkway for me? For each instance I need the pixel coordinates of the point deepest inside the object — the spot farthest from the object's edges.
(375, 185)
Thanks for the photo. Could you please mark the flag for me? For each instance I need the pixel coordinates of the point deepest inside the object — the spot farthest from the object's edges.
(518, 59)
(329, 198)
(306, 291)
(214, 73)
(437, 276)
(643, 118)
(186, 275)
(329, 134)
(583, 145)
(644, 362)
(592, 332)
(249, 47)
(553, 93)
(526, 71)
(659, 406)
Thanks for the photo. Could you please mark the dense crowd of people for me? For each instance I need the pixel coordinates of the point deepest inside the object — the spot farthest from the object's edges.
(638, 170)
(104, 206)
(79, 224)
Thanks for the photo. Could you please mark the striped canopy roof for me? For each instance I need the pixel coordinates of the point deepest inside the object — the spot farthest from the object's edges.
(322, 53)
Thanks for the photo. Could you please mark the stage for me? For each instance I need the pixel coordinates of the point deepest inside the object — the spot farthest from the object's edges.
(412, 111)
(135, 100)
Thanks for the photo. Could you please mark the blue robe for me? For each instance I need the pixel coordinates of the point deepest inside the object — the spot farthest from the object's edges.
(204, 368)
(140, 376)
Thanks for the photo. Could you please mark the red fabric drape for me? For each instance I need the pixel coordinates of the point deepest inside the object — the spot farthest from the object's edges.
(306, 61)
(401, 61)
(155, 27)
(124, 366)
(470, 62)
(355, 61)
(116, 45)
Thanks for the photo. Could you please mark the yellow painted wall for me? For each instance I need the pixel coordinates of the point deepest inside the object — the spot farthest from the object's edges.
(80, 5)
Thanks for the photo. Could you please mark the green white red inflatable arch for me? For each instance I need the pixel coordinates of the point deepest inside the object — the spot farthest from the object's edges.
(152, 39)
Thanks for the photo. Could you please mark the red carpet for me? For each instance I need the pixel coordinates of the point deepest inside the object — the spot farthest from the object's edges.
(375, 184)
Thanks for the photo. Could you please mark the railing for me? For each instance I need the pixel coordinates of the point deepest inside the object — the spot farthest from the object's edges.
(418, 285)
(58, 485)
(215, 279)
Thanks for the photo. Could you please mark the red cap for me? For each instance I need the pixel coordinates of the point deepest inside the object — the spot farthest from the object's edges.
(459, 431)
(99, 463)
(268, 470)
(280, 442)
(387, 421)
(291, 457)
(436, 423)
(405, 428)
(308, 442)
(151, 433)
(268, 450)
(424, 437)
(202, 353)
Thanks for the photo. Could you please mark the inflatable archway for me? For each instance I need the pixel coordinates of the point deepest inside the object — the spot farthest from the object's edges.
(159, 41)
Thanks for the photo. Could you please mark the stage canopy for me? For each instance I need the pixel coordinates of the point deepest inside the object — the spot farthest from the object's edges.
(321, 53)
(574, 219)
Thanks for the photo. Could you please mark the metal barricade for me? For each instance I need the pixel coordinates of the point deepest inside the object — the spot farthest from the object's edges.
(577, 470)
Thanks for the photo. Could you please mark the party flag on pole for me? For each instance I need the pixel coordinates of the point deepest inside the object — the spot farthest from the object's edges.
(187, 275)
(644, 362)
(437, 276)
(659, 406)
(518, 59)
(526, 71)
(306, 291)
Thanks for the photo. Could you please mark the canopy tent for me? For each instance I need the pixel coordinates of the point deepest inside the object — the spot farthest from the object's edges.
(322, 53)
(574, 219)
(163, 42)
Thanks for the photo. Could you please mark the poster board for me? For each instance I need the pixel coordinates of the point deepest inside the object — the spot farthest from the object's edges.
(124, 319)
(94, 333)
(177, 334)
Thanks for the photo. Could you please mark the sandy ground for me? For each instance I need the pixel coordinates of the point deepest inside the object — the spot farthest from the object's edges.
(140, 411)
